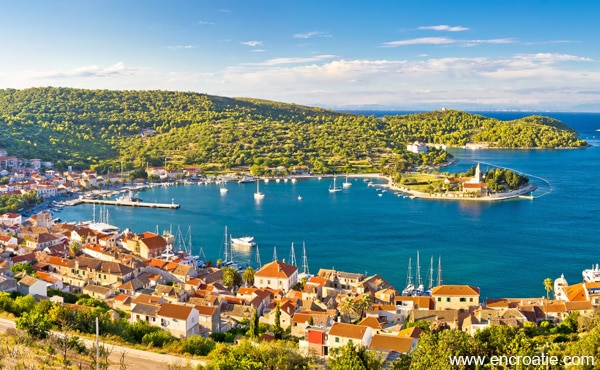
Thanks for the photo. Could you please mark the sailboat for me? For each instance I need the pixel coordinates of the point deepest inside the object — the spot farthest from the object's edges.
(223, 189)
(420, 289)
(409, 284)
(333, 188)
(346, 184)
(258, 195)
(228, 255)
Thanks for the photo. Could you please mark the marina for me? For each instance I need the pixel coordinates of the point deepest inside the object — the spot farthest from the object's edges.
(358, 230)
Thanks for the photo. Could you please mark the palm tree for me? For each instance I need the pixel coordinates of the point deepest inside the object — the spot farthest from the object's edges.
(228, 277)
(548, 286)
(347, 307)
(248, 276)
(363, 304)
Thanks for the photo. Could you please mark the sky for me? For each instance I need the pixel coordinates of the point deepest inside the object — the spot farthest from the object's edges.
(405, 55)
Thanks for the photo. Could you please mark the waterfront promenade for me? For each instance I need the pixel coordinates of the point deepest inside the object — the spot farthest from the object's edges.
(124, 203)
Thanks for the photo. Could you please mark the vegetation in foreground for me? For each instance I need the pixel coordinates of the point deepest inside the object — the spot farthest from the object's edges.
(575, 336)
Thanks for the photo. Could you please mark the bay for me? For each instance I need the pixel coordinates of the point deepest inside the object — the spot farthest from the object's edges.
(506, 248)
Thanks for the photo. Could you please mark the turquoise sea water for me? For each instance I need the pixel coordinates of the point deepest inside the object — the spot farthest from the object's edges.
(506, 248)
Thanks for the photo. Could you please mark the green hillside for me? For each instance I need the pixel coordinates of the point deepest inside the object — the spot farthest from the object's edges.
(102, 127)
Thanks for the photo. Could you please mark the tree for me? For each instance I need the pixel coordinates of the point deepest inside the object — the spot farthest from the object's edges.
(277, 330)
(548, 287)
(231, 277)
(356, 358)
(248, 276)
(35, 324)
(363, 304)
(435, 349)
(347, 308)
(253, 330)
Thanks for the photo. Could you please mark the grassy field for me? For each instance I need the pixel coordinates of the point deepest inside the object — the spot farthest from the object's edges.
(422, 182)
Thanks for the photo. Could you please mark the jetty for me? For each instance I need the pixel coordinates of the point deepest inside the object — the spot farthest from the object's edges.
(123, 203)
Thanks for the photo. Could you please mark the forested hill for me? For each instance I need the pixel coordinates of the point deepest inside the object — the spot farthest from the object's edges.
(84, 127)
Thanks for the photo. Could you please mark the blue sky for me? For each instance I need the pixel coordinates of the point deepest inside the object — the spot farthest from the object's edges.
(527, 54)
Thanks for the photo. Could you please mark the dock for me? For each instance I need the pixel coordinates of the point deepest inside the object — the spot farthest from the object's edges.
(125, 204)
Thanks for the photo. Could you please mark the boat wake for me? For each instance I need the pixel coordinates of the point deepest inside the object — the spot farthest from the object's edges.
(547, 189)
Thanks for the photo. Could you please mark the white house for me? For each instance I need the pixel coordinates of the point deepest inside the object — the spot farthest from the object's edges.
(32, 286)
(181, 321)
(417, 147)
(276, 275)
(341, 334)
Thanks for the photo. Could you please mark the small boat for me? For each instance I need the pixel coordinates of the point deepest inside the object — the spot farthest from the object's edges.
(333, 188)
(222, 189)
(246, 180)
(258, 195)
(346, 184)
(299, 197)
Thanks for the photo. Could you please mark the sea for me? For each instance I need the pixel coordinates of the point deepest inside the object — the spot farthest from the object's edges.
(505, 248)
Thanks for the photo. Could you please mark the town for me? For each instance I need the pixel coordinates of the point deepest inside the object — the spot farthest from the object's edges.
(143, 276)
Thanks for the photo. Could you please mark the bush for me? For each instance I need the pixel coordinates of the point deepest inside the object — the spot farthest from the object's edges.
(157, 339)
(198, 345)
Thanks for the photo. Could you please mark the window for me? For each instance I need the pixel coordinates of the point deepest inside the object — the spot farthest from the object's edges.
(471, 300)
(337, 339)
(448, 299)
(439, 299)
(463, 299)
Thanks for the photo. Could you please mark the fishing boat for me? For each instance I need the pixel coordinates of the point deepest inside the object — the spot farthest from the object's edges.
(258, 195)
(333, 188)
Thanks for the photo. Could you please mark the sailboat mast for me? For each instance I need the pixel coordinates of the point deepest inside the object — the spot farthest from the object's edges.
(439, 277)
(226, 246)
(274, 253)
(430, 285)
(258, 258)
(304, 260)
(292, 256)
(418, 275)
(409, 272)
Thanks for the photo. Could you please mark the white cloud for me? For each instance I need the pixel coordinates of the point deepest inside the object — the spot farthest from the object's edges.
(312, 34)
(205, 23)
(444, 41)
(253, 43)
(538, 79)
(445, 81)
(292, 60)
(420, 41)
(444, 27)
(546, 58)
(179, 47)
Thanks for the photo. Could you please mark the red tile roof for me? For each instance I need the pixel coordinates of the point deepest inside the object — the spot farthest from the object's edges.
(175, 311)
(276, 269)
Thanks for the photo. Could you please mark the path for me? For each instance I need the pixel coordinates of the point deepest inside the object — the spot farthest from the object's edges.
(135, 359)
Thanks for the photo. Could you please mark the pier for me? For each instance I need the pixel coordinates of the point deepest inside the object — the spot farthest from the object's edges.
(122, 203)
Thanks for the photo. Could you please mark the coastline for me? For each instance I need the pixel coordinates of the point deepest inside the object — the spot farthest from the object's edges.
(515, 194)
